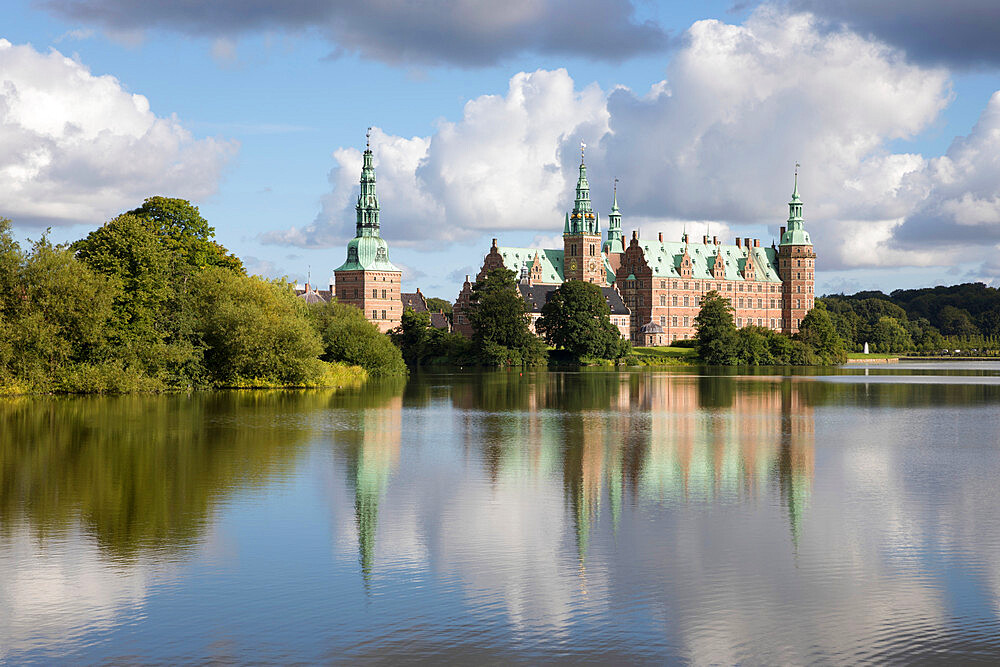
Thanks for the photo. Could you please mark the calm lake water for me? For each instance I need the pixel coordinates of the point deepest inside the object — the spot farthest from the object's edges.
(849, 515)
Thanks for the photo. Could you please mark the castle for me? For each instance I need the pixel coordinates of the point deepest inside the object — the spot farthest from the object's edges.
(662, 283)
(653, 288)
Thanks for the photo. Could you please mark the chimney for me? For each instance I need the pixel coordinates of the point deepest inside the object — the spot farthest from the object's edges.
(704, 240)
(418, 290)
(635, 234)
(494, 243)
(307, 288)
(715, 240)
(756, 244)
(661, 237)
(746, 242)
(466, 277)
(782, 233)
(738, 242)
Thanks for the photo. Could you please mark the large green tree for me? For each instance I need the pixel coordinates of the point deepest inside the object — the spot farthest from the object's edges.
(576, 318)
(888, 335)
(818, 332)
(716, 331)
(185, 233)
(499, 320)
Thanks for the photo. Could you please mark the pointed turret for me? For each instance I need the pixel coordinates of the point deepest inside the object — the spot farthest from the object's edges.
(615, 242)
(582, 236)
(367, 208)
(795, 234)
(796, 265)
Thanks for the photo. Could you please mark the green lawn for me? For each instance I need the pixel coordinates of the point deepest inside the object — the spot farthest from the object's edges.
(862, 355)
(667, 355)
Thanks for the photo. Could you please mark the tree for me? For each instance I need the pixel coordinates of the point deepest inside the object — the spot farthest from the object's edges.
(576, 318)
(716, 331)
(421, 343)
(889, 335)
(350, 338)
(256, 332)
(436, 305)
(499, 322)
(956, 322)
(817, 331)
(185, 232)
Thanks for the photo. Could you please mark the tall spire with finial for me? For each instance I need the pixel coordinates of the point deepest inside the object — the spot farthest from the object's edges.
(583, 220)
(795, 234)
(615, 241)
(367, 208)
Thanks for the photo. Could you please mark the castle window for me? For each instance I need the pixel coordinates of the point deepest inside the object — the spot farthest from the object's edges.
(663, 321)
(673, 300)
(663, 300)
(686, 321)
(663, 284)
(673, 320)
(374, 314)
(741, 302)
(739, 321)
(772, 322)
(773, 306)
(675, 284)
(760, 322)
(374, 293)
(760, 303)
(686, 301)
(685, 285)
(383, 314)
(383, 294)
(355, 292)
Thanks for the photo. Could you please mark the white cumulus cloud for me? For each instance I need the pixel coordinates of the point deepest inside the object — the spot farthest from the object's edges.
(79, 148)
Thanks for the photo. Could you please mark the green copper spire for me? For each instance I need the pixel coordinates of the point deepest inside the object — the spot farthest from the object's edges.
(615, 242)
(583, 220)
(795, 234)
(367, 250)
(367, 208)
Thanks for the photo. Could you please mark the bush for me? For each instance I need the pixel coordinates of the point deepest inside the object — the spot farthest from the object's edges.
(349, 338)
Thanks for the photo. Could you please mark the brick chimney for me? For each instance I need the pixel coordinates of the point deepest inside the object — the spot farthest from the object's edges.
(704, 240)
(715, 240)
(661, 237)
(738, 242)
(756, 244)
(746, 241)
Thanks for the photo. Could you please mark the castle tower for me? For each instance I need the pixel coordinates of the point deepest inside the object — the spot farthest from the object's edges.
(614, 246)
(368, 279)
(796, 265)
(582, 236)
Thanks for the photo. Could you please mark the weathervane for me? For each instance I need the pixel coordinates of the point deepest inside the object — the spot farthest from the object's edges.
(616, 186)
(368, 138)
(583, 147)
(797, 165)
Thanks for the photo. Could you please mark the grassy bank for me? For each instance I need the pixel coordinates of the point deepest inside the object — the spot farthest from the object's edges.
(663, 356)
(110, 379)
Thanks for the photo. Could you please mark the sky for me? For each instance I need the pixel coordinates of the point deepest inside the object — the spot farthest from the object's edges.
(257, 111)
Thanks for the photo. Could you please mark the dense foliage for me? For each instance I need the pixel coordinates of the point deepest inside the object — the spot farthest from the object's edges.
(720, 343)
(424, 345)
(348, 337)
(576, 318)
(150, 301)
(923, 320)
(499, 320)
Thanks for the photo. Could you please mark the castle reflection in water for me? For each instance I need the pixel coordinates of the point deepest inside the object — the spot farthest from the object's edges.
(611, 438)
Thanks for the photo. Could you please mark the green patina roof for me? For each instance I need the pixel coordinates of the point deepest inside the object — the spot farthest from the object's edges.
(665, 260)
(367, 253)
(608, 270)
(795, 237)
(552, 261)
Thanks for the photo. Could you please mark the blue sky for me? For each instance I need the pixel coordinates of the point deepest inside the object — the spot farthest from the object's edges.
(701, 109)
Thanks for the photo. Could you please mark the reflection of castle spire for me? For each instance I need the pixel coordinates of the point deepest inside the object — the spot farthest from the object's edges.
(370, 463)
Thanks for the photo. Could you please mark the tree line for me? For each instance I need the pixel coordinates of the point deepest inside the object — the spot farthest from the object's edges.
(150, 301)
(926, 320)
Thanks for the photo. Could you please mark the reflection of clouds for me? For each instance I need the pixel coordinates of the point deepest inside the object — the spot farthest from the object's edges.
(51, 593)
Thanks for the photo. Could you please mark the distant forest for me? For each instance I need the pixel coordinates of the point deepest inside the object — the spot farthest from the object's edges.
(923, 320)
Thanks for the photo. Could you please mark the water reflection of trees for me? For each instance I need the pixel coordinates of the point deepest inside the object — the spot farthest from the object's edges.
(142, 472)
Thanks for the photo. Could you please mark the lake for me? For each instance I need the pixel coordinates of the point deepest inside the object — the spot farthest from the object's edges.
(841, 515)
